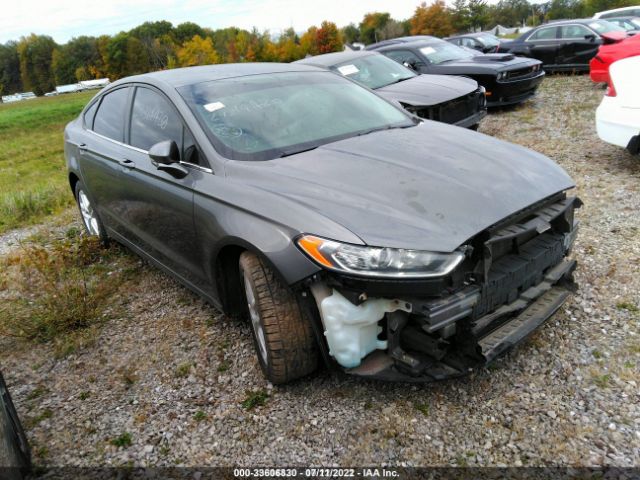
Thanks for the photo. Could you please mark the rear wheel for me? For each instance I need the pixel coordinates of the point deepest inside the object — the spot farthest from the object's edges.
(282, 332)
(90, 219)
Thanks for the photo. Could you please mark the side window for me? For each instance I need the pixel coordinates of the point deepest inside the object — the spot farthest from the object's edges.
(90, 114)
(190, 152)
(574, 31)
(153, 120)
(402, 56)
(468, 42)
(544, 34)
(109, 121)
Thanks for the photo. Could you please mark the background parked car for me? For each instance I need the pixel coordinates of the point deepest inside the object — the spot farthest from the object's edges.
(482, 42)
(630, 24)
(566, 45)
(617, 12)
(607, 54)
(15, 457)
(618, 116)
(456, 100)
(506, 78)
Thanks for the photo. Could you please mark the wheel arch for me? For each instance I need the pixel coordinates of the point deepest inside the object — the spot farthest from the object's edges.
(225, 272)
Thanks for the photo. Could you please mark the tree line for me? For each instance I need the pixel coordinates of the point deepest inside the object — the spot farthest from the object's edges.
(37, 63)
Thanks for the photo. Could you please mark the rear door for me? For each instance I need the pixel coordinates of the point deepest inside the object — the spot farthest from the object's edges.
(579, 44)
(157, 206)
(103, 152)
(543, 44)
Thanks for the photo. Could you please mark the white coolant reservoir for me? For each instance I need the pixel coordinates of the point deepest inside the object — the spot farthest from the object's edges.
(352, 330)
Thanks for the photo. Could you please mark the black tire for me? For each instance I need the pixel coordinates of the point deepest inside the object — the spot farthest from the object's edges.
(290, 349)
(14, 448)
(101, 231)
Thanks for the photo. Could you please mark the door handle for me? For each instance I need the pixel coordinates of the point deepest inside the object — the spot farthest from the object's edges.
(127, 163)
(82, 148)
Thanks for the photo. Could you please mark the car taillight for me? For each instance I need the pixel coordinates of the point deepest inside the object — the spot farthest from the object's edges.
(611, 89)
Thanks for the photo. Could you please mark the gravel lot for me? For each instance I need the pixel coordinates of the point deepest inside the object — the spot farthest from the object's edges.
(173, 373)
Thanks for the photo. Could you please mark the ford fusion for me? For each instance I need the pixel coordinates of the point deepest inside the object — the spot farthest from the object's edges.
(508, 79)
(348, 232)
(456, 100)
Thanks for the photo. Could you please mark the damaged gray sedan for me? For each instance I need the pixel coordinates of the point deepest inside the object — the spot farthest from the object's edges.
(347, 231)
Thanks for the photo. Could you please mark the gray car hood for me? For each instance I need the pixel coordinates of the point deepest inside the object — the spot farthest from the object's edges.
(429, 187)
(428, 89)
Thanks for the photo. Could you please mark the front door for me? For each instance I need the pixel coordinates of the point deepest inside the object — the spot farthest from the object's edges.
(156, 206)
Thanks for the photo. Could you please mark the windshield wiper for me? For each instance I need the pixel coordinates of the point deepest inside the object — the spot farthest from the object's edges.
(387, 127)
(398, 81)
(288, 153)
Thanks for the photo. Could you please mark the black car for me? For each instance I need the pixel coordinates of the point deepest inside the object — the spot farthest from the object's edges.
(565, 45)
(630, 24)
(456, 100)
(344, 229)
(506, 78)
(15, 456)
(482, 42)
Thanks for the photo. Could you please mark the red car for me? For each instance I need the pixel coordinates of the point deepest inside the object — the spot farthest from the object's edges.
(609, 53)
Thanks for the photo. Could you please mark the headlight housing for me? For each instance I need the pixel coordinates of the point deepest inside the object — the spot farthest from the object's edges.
(378, 261)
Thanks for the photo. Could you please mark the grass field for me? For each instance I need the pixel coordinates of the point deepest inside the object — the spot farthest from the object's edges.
(33, 181)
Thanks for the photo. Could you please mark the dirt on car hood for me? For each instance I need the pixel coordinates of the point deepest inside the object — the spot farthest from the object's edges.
(428, 187)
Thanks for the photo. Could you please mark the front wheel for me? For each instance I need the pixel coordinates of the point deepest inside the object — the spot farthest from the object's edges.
(282, 332)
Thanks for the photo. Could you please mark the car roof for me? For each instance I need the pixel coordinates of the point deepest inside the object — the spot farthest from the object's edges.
(414, 43)
(582, 21)
(471, 34)
(621, 17)
(179, 77)
(395, 41)
(330, 59)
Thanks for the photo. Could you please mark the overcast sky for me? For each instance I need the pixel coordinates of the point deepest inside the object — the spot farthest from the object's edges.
(63, 19)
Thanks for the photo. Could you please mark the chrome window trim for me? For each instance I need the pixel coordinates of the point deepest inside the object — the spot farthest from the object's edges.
(146, 152)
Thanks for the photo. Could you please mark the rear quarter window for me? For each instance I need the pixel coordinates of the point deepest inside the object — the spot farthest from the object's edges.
(109, 120)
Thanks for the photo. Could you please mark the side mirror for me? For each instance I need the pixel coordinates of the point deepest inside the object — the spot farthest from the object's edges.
(411, 65)
(166, 156)
(591, 37)
(165, 152)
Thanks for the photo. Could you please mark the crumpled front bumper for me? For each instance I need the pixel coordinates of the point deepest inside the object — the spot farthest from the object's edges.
(535, 306)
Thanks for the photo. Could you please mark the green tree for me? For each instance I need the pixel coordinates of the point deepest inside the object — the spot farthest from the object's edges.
(371, 25)
(432, 20)
(116, 56)
(35, 52)
(10, 81)
(351, 33)
(137, 59)
(460, 16)
(478, 14)
(186, 31)
(68, 58)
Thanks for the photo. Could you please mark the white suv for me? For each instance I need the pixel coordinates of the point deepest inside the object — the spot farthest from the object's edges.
(618, 116)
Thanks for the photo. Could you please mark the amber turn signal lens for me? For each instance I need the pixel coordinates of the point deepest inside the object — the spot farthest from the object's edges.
(311, 247)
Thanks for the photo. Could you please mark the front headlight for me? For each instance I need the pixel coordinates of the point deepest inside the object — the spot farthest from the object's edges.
(377, 261)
